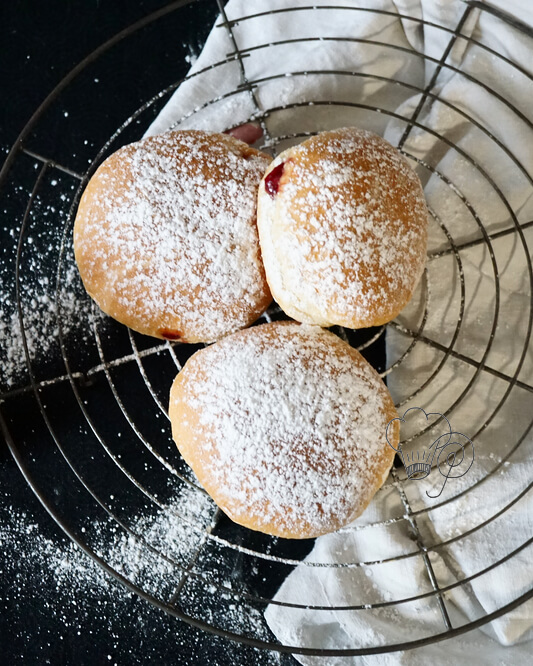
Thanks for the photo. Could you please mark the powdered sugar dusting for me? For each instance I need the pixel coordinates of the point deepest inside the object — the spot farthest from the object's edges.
(72, 593)
(169, 237)
(41, 306)
(346, 234)
(174, 532)
(291, 427)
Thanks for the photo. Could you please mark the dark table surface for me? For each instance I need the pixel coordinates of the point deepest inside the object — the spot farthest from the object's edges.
(44, 619)
(56, 605)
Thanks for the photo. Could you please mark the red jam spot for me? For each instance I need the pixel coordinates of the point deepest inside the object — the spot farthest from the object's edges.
(169, 334)
(273, 178)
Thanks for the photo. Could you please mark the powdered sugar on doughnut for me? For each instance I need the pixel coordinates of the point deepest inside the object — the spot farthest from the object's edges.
(167, 238)
(344, 238)
(290, 428)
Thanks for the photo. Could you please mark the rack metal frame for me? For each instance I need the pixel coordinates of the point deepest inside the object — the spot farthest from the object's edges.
(107, 369)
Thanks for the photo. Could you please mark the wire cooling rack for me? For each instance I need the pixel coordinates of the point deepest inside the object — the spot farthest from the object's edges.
(85, 413)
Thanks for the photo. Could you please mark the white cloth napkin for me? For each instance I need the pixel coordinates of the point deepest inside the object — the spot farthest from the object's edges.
(481, 302)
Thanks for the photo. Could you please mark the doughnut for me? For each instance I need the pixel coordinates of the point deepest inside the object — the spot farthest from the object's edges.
(165, 236)
(343, 229)
(284, 425)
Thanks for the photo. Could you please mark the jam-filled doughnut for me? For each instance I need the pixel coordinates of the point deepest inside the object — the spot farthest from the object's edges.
(343, 229)
(166, 239)
(285, 427)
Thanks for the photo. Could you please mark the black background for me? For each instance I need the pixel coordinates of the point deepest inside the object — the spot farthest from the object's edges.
(40, 42)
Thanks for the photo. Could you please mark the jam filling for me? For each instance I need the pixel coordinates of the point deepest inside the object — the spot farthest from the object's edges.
(273, 178)
(169, 334)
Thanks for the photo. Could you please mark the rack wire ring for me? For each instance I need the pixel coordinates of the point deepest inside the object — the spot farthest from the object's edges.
(265, 549)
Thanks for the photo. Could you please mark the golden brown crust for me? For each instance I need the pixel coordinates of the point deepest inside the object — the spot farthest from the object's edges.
(344, 236)
(165, 236)
(285, 427)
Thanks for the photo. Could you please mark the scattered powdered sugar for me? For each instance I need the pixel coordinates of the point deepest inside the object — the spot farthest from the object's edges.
(186, 259)
(68, 587)
(159, 545)
(40, 323)
(11, 343)
(67, 565)
(151, 556)
(345, 235)
(291, 427)
(43, 307)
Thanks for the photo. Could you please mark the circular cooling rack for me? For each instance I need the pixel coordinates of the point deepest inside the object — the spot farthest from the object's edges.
(84, 413)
